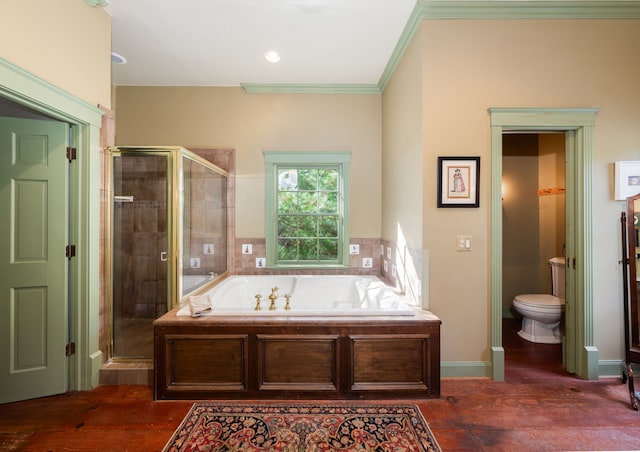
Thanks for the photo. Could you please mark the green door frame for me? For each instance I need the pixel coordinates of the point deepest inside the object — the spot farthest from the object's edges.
(26, 89)
(578, 124)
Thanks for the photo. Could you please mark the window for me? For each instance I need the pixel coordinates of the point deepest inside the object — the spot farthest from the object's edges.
(307, 206)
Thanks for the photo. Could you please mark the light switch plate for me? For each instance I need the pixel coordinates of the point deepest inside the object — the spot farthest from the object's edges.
(463, 243)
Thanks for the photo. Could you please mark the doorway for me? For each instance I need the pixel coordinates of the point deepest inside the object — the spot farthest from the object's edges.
(34, 308)
(83, 357)
(533, 232)
(580, 354)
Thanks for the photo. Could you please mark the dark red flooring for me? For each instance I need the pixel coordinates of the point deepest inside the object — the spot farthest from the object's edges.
(538, 407)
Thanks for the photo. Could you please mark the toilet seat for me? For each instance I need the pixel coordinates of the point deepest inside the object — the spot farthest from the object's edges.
(539, 300)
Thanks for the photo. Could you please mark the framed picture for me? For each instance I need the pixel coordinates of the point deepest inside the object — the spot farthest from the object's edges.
(458, 181)
(627, 174)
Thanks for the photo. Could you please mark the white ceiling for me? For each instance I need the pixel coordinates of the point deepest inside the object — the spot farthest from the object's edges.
(223, 42)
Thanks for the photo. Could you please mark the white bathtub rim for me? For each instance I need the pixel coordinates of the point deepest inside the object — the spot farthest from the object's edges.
(385, 295)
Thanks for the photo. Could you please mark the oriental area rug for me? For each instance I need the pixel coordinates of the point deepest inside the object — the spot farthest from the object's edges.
(302, 428)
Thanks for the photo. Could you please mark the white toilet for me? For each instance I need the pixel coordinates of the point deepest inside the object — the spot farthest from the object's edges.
(541, 313)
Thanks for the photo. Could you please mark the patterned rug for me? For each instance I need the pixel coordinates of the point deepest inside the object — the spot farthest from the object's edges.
(301, 427)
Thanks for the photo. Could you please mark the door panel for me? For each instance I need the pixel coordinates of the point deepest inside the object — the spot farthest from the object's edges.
(33, 266)
(140, 219)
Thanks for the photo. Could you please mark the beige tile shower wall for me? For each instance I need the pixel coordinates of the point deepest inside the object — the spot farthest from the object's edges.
(246, 263)
(208, 205)
(226, 160)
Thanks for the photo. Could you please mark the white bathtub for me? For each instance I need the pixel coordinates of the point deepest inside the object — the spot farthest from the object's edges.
(192, 282)
(311, 295)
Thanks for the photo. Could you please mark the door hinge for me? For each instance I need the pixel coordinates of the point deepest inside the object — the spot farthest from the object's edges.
(71, 153)
(70, 349)
(71, 251)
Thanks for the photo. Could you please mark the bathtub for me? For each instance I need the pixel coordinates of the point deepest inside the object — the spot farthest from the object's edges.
(309, 295)
(345, 337)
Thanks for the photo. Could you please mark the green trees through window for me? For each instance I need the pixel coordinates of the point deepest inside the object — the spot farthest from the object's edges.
(307, 197)
(307, 214)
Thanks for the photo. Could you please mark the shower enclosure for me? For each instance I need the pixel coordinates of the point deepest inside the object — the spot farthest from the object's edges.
(168, 222)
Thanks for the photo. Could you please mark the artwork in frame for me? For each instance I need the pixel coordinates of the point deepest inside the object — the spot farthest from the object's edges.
(627, 174)
(458, 181)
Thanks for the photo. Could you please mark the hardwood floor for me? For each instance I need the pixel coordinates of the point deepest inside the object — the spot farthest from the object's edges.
(537, 408)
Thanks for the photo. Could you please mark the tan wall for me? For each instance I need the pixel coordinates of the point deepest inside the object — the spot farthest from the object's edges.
(551, 175)
(470, 66)
(65, 42)
(402, 149)
(520, 217)
(253, 123)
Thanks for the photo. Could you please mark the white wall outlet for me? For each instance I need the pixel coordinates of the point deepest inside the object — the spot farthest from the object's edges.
(261, 262)
(463, 243)
(194, 262)
(247, 248)
(354, 248)
(209, 248)
(367, 262)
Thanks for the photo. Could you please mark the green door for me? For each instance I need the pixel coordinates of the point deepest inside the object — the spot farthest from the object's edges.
(33, 265)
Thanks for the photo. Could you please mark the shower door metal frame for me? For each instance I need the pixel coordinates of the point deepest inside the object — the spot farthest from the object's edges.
(175, 229)
(172, 226)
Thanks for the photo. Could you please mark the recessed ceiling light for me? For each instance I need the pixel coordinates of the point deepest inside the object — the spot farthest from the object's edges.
(272, 56)
(116, 58)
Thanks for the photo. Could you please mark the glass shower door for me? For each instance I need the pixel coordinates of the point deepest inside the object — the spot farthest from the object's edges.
(140, 247)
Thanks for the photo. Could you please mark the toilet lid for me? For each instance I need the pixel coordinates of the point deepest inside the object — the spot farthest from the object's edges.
(537, 299)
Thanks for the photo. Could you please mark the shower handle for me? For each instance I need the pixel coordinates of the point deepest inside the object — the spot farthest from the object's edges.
(163, 256)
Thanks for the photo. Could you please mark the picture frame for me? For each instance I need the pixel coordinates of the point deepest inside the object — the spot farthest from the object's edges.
(627, 179)
(458, 181)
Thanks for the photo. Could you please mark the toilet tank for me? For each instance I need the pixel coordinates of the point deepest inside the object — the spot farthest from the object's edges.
(557, 276)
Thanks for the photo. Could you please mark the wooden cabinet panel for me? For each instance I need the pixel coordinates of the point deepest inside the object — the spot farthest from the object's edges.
(384, 361)
(298, 362)
(214, 361)
(236, 358)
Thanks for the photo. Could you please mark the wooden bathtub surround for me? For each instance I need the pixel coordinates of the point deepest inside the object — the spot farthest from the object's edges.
(282, 357)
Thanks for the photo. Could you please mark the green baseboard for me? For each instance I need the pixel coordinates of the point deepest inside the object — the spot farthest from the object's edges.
(610, 368)
(454, 369)
(482, 369)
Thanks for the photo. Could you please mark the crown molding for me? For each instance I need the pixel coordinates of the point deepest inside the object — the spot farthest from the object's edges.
(415, 19)
(529, 9)
(508, 9)
(461, 10)
(265, 88)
